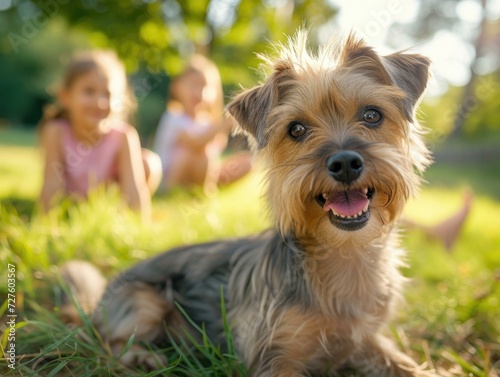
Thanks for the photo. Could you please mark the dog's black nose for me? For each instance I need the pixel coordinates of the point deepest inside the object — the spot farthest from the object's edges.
(345, 166)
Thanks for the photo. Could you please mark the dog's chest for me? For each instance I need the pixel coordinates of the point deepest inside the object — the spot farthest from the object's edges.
(355, 287)
(316, 340)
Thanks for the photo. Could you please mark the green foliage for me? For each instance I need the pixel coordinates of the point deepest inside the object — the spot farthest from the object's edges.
(30, 70)
(151, 37)
(483, 119)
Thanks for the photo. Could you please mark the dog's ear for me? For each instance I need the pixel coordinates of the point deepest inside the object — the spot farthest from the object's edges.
(409, 72)
(357, 56)
(251, 108)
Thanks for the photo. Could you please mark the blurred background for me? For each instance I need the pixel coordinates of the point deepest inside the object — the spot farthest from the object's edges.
(455, 297)
(153, 38)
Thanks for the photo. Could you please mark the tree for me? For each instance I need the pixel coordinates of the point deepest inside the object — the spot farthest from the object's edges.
(151, 37)
(436, 15)
(162, 33)
(468, 91)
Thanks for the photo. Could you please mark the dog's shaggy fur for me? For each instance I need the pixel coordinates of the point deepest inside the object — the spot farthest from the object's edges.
(344, 152)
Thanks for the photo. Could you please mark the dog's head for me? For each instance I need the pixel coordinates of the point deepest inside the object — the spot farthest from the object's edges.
(339, 134)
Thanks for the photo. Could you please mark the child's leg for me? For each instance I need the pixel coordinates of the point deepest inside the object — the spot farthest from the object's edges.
(198, 169)
(234, 168)
(448, 230)
(188, 169)
(152, 168)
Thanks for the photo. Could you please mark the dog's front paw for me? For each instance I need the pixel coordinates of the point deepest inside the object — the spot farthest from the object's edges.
(380, 358)
(137, 356)
(420, 372)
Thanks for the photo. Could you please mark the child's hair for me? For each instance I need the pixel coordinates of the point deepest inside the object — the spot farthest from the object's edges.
(213, 103)
(123, 102)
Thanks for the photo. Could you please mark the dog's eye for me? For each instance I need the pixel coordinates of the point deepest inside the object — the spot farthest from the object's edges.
(372, 117)
(297, 130)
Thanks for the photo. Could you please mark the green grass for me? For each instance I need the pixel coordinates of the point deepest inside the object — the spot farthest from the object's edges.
(450, 320)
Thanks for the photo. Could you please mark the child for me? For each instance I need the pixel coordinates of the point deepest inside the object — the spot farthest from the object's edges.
(87, 141)
(192, 133)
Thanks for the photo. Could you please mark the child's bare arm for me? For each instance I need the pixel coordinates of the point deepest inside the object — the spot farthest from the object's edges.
(132, 176)
(198, 140)
(53, 178)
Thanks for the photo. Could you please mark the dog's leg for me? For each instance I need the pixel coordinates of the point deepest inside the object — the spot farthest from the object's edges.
(286, 357)
(380, 358)
(133, 309)
(87, 285)
(277, 368)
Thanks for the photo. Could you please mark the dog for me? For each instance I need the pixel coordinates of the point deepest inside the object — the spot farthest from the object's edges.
(344, 152)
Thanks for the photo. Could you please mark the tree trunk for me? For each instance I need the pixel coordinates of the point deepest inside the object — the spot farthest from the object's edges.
(469, 99)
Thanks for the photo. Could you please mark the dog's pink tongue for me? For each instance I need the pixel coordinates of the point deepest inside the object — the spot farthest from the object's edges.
(346, 203)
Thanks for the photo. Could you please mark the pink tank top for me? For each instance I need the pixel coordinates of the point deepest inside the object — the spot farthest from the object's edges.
(87, 166)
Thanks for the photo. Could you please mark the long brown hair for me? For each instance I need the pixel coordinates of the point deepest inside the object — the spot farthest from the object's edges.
(123, 103)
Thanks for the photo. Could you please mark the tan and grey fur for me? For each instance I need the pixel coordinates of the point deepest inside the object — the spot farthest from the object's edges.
(309, 296)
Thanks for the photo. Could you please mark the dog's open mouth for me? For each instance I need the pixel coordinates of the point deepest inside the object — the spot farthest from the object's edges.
(348, 209)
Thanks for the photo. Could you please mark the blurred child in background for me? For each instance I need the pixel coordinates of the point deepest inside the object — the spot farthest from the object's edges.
(87, 140)
(192, 133)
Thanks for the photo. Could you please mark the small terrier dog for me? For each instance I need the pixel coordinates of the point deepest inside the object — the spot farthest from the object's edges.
(344, 151)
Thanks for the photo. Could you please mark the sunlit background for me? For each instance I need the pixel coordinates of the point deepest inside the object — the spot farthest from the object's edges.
(451, 321)
(461, 37)
(446, 31)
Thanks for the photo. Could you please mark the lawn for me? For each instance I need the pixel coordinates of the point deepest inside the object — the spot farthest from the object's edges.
(450, 320)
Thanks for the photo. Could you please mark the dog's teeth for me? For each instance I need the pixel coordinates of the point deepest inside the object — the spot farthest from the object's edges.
(365, 190)
(366, 207)
(342, 216)
(360, 213)
(325, 196)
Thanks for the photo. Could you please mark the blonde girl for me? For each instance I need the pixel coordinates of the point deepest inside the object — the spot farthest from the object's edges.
(87, 140)
(193, 133)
